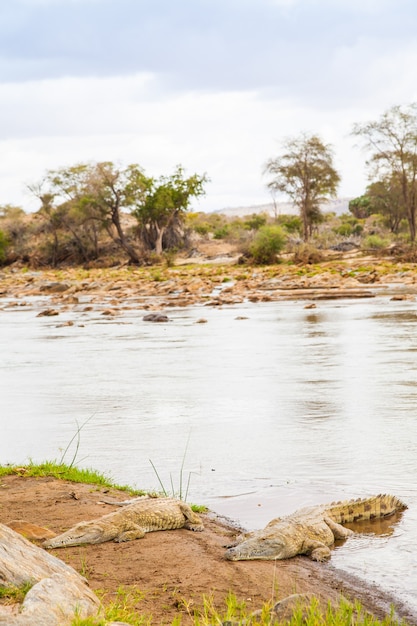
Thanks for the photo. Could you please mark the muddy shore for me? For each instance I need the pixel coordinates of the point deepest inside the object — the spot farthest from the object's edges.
(174, 569)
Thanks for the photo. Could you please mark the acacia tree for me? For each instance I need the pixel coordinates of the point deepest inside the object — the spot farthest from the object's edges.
(392, 143)
(65, 214)
(164, 203)
(384, 197)
(116, 190)
(86, 197)
(16, 230)
(387, 199)
(304, 171)
(361, 207)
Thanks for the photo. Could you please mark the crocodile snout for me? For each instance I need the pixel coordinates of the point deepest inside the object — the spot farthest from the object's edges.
(231, 554)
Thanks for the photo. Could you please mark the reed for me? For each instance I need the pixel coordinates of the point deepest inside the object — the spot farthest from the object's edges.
(182, 491)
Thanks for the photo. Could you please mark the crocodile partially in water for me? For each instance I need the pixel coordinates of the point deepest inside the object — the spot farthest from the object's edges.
(131, 522)
(312, 530)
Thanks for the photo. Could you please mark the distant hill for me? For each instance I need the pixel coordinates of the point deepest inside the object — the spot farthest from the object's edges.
(338, 206)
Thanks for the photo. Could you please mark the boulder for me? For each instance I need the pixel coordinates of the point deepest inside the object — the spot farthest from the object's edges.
(54, 287)
(30, 531)
(48, 313)
(155, 317)
(58, 592)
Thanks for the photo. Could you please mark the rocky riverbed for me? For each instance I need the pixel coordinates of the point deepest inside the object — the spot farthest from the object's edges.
(113, 290)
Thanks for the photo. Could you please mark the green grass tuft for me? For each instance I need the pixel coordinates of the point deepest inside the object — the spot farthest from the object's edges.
(199, 508)
(122, 608)
(63, 471)
(125, 608)
(14, 595)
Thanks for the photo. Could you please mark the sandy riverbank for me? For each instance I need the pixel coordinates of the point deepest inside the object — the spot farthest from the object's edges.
(173, 569)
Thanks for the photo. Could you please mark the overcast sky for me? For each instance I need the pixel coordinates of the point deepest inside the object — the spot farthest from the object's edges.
(213, 85)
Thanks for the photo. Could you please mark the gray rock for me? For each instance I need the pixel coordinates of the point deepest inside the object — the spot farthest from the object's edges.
(54, 287)
(58, 591)
(344, 246)
(155, 317)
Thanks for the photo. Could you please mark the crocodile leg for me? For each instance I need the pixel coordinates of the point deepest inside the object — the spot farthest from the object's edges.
(193, 522)
(128, 535)
(316, 550)
(339, 531)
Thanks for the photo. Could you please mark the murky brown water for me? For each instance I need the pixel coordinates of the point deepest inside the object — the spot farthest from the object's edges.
(286, 408)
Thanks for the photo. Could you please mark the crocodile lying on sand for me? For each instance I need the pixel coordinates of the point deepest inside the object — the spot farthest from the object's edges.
(131, 522)
(311, 530)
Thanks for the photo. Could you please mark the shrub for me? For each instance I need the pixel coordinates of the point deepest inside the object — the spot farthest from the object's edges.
(349, 225)
(222, 232)
(306, 254)
(292, 224)
(268, 242)
(357, 229)
(202, 229)
(255, 221)
(374, 242)
(345, 230)
(205, 223)
(170, 256)
(4, 243)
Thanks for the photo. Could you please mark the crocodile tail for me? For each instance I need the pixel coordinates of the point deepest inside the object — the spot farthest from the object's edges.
(374, 507)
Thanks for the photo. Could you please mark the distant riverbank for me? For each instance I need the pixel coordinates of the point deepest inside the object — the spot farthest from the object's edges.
(211, 284)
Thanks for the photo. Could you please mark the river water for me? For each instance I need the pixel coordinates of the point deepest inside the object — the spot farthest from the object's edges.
(264, 409)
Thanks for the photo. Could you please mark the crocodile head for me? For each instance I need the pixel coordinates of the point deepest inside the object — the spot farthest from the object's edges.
(265, 546)
(84, 532)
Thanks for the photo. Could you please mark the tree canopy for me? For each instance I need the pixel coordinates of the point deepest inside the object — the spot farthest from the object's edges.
(304, 171)
(93, 196)
(84, 199)
(392, 144)
(164, 203)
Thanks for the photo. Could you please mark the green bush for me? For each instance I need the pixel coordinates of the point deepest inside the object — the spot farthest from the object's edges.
(307, 254)
(222, 232)
(345, 230)
(205, 223)
(202, 229)
(268, 242)
(255, 221)
(4, 244)
(348, 225)
(374, 242)
(291, 223)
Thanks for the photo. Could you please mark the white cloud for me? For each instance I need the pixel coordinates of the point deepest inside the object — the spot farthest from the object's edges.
(213, 85)
(228, 135)
(377, 71)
